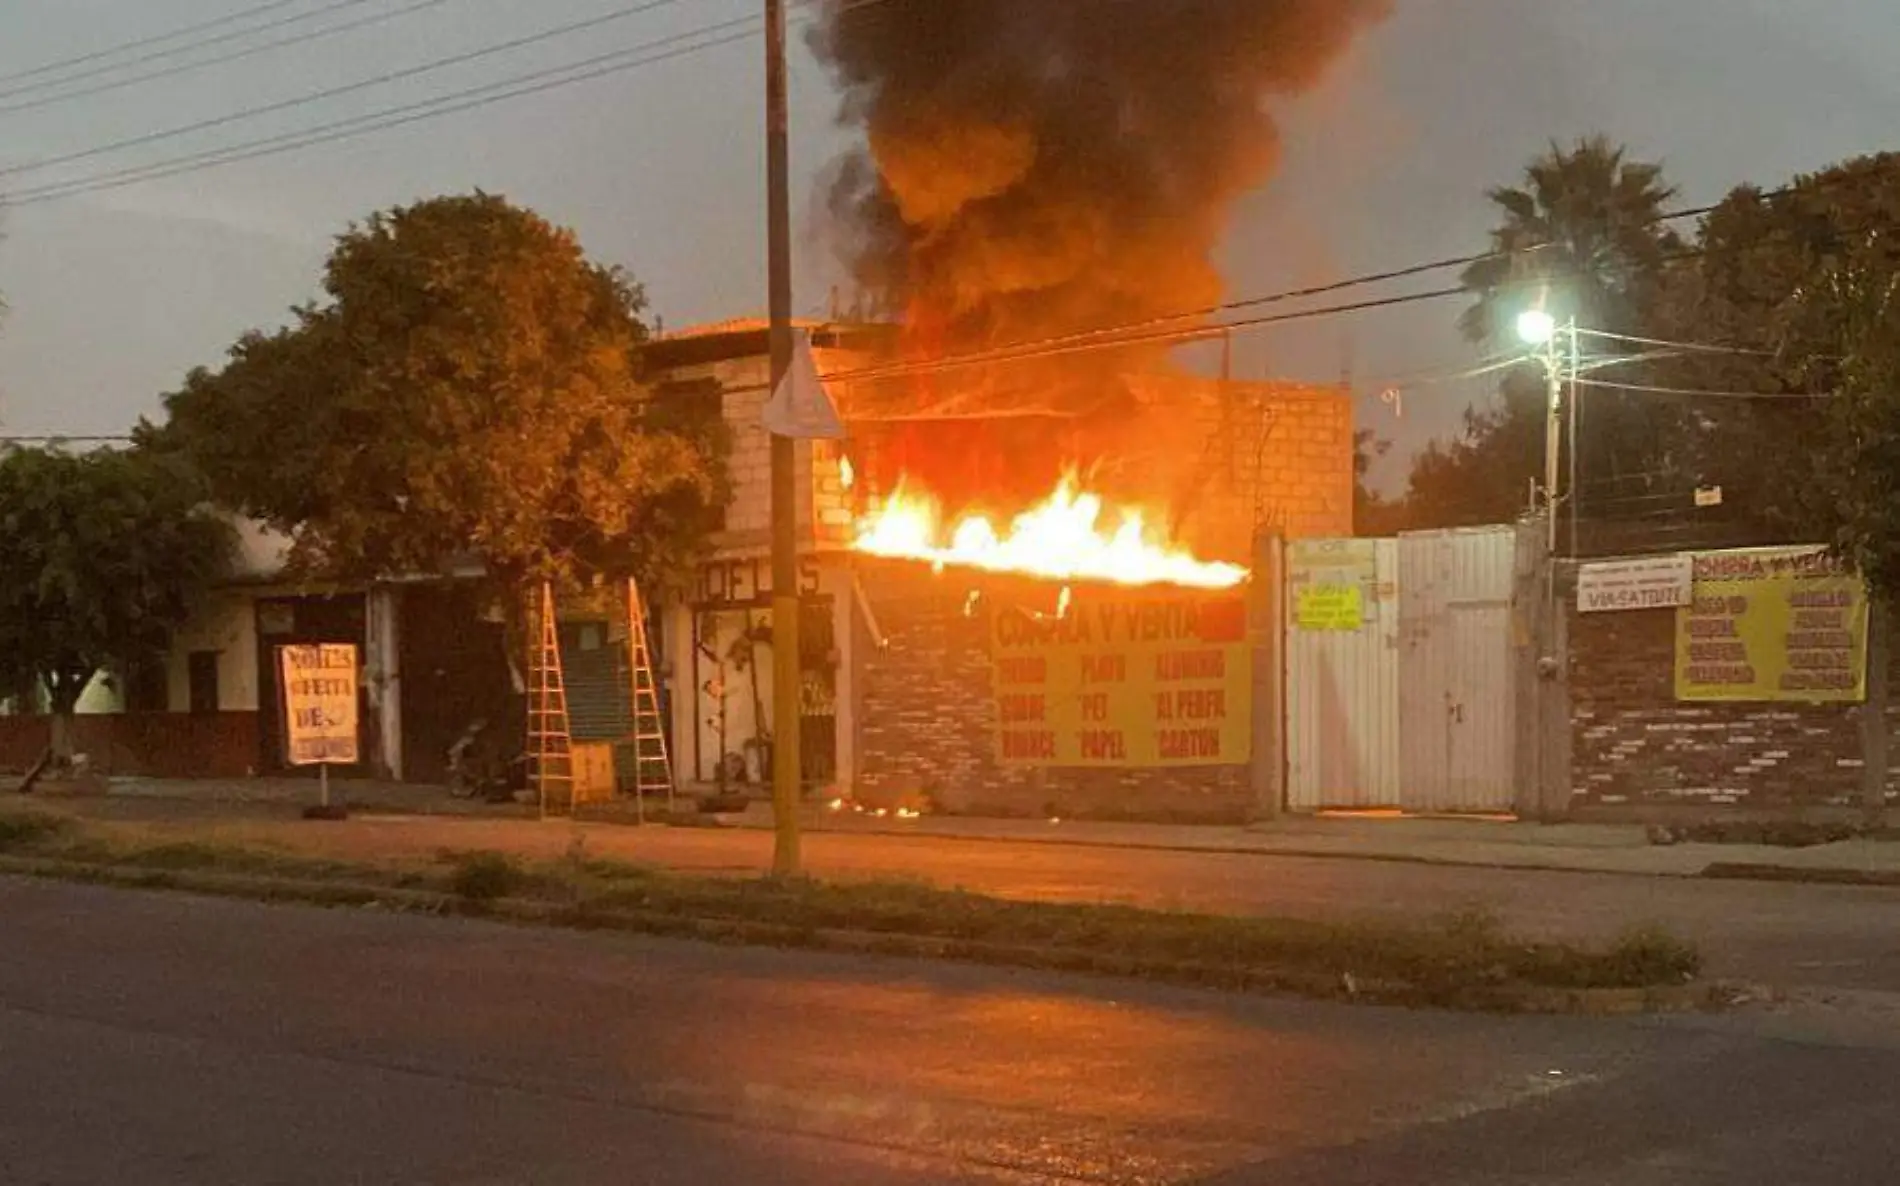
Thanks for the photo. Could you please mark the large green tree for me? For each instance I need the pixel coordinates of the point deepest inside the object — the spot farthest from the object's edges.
(1582, 235)
(102, 556)
(1785, 300)
(468, 387)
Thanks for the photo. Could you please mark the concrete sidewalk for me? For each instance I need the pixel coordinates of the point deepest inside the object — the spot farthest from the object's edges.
(1501, 844)
(1498, 844)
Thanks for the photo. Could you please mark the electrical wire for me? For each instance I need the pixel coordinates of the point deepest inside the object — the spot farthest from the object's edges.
(155, 39)
(1694, 347)
(116, 84)
(1644, 389)
(1107, 338)
(430, 67)
(380, 120)
(64, 440)
(535, 82)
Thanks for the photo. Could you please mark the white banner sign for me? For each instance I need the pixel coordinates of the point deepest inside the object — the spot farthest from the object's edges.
(1664, 582)
(319, 698)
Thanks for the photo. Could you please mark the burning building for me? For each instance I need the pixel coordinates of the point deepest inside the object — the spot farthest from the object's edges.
(941, 553)
(1028, 563)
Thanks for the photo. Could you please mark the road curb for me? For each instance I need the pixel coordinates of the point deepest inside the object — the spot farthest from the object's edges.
(1800, 875)
(1387, 858)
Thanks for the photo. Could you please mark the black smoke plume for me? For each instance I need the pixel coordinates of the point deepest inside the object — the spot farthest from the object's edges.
(1034, 168)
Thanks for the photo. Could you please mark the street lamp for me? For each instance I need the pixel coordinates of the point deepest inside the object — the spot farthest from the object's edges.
(1536, 327)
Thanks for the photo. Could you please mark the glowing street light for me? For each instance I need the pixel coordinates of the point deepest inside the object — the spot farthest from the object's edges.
(1536, 327)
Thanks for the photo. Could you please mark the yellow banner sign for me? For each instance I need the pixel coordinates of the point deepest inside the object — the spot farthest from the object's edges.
(1334, 582)
(1772, 625)
(1125, 681)
(1329, 607)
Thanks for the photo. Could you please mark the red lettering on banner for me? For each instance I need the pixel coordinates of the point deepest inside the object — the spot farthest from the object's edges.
(1177, 666)
(1205, 705)
(1023, 709)
(1104, 745)
(1029, 747)
(1182, 744)
(1104, 669)
(1027, 670)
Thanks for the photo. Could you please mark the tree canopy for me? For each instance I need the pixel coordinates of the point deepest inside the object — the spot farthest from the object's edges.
(102, 556)
(1786, 289)
(469, 387)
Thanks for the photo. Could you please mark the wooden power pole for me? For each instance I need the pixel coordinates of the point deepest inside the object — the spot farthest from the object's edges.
(785, 651)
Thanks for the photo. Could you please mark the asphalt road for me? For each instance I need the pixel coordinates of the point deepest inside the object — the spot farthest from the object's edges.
(165, 1039)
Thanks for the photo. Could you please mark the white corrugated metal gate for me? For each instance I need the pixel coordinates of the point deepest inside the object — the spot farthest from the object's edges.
(1342, 682)
(1399, 693)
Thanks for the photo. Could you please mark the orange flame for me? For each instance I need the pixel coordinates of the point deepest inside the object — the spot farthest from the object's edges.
(1061, 539)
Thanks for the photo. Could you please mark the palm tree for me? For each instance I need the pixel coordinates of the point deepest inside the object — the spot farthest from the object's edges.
(1586, 222)
(1584, 233)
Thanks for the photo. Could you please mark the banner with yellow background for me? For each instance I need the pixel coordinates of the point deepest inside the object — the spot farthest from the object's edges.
(1125, 680)
(1772, 624)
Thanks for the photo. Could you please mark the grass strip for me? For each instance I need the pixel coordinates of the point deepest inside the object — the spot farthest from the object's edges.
(1463, 960)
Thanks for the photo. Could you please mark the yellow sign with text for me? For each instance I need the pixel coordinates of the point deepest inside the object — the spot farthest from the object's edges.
(1329, 607)
(1125, 681)
(1769, 625)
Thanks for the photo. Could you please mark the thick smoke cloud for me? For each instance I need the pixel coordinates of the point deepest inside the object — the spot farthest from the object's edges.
(1042, 167)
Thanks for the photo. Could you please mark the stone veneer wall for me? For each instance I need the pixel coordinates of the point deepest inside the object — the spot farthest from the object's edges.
(927, 717)
(1634, 745)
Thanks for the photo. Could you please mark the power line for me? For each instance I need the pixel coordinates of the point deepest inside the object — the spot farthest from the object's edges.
(1107, 338)
(64, 440)
(619, 14)
(115, 84)
(527, 84)
(1643, 389)
(141, 43)
(965, 362)
(1693, 347)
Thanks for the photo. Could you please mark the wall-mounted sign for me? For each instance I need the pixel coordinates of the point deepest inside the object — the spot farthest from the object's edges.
(320, 704)
(1133, 681)
(1662, 582)
(1329, 607)
(736, 584)
(1334, 583)
(1773, 624)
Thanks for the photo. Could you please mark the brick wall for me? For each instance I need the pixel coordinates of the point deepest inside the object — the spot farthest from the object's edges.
(1634, 746)
(927, 717)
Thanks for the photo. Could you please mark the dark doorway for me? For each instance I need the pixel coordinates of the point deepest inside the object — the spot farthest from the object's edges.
(202, 676)
(454, 670)
(148, 688)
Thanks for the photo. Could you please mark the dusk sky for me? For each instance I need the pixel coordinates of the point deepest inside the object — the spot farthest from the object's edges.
(114, 294)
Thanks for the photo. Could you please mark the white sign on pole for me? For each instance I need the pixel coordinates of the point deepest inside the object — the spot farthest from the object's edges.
(801, 408)
(1664, 582)
(320, 698)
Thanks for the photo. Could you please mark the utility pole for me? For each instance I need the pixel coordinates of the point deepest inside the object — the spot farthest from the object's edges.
(786, 679)
(1553, 439)
(1576, 441)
